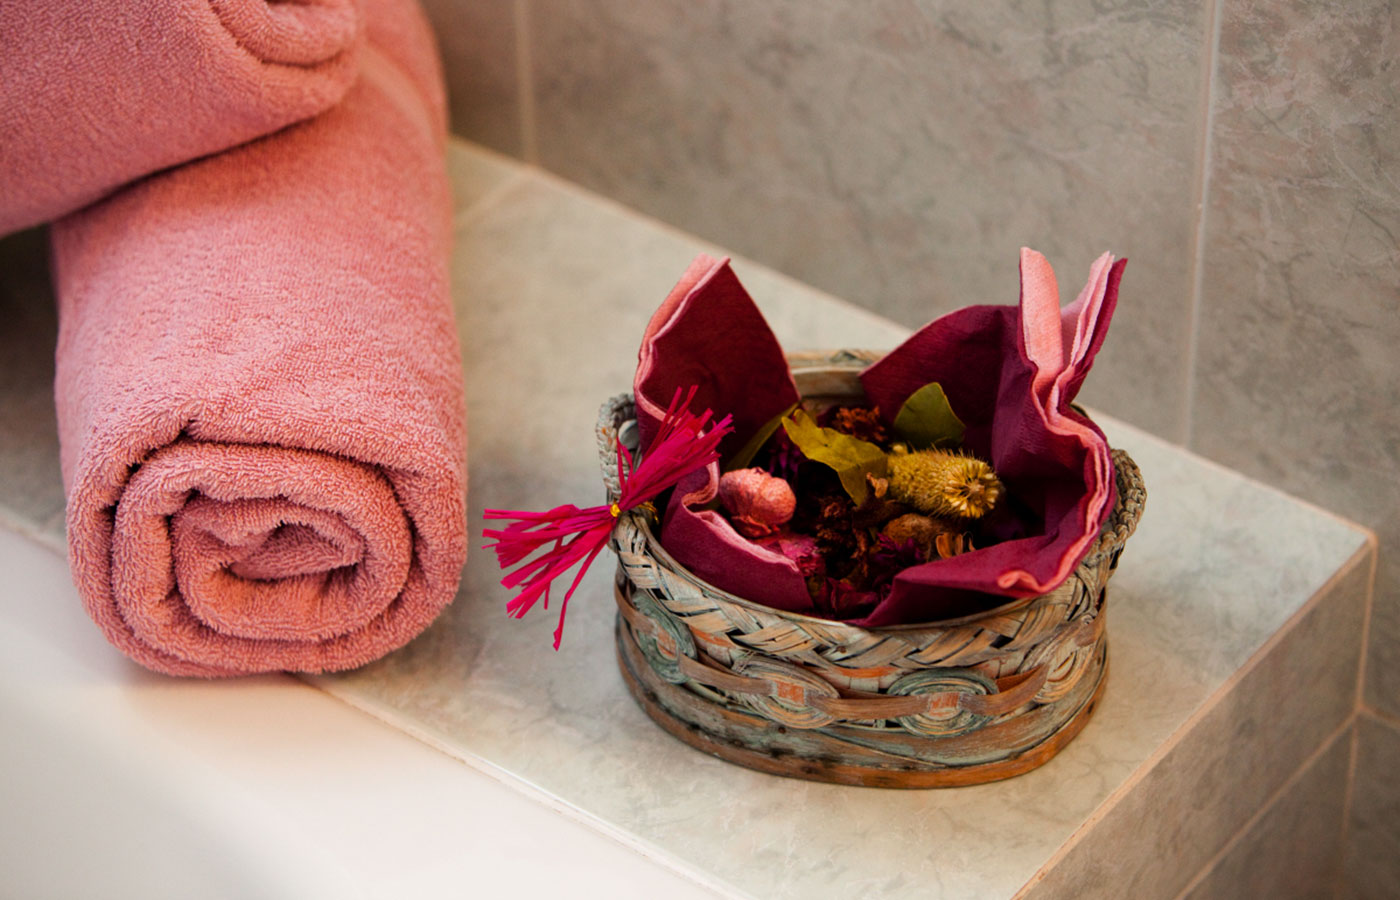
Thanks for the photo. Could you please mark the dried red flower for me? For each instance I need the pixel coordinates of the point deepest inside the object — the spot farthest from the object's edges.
(860, 422)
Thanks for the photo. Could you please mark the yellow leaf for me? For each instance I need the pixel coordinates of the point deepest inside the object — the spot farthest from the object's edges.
(851, 457)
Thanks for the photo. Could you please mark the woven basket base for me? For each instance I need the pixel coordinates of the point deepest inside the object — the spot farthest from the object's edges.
(826, 754)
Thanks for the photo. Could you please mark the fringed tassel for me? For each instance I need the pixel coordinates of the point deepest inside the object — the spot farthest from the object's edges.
(681, 445)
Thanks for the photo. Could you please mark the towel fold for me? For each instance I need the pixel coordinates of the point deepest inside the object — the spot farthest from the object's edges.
(96, 94)
(259, 387)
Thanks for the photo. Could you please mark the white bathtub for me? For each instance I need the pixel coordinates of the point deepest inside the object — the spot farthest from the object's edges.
(115, 782)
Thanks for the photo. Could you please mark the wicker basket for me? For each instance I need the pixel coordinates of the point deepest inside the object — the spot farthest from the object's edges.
(948, 703)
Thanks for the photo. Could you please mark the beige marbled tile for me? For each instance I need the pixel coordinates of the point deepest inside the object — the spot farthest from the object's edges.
(1293, 850)
(556, 286)
(1297, 380)
(477, 174)
(477, 39)
(31, 485)
(1222, 768)
(1372, 868)
(899, 154)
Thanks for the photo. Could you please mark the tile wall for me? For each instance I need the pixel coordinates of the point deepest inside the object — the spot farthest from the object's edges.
(1244, 154)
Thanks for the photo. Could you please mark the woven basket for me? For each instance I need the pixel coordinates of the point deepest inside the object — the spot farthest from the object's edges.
(941, 704)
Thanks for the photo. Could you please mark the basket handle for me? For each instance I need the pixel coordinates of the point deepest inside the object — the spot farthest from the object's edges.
(613, 415)
(1132, 496)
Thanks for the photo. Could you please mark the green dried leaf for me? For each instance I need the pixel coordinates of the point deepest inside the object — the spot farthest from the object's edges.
(746, 453)
(927, 419)
(851, 457)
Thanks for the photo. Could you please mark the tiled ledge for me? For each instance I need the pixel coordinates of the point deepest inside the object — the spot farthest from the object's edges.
(1235, 622)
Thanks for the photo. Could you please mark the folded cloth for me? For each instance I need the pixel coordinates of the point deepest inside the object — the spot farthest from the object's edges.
(259, 387)
(1009, 372)
(708, 334)
(96, 93)
(1014, 370)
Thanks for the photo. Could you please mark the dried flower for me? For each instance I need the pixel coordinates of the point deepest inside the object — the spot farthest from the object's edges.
(935, 538)
(785, 458)
(878, 507)
(862, 422)
(841, 599)
(835, 533)
(892, 556)
(758, 503)
(941, 483)
(800, 548)
(920, 529)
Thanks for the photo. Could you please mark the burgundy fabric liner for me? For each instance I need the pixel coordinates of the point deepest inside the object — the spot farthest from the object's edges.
(710, 333)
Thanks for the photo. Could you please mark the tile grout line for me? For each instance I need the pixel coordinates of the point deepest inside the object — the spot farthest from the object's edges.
(1270, 802)
(1369, 537)
(1389, 720)
(1344, 838)
(1349, 789)
(1215, 16)
(1366, 627)
(1204, 709)
(489, 200)
(525, 82)
(38, 533)
(578, 191)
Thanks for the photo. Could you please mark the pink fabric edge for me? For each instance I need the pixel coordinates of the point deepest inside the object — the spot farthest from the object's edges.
(700, 270)
(1057, 362)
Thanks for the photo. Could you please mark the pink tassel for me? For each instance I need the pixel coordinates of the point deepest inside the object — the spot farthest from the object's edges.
(681, 446)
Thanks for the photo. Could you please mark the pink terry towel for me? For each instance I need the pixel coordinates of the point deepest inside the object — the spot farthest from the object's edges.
(96, 93)
(259, 387)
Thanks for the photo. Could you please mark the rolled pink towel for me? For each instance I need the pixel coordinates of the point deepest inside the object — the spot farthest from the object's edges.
(259, 387)
(96, 93)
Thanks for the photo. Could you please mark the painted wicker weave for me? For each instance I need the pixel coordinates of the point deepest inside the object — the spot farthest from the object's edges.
(955, 702)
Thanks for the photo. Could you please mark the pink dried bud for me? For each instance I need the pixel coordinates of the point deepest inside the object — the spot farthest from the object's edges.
(758, 503)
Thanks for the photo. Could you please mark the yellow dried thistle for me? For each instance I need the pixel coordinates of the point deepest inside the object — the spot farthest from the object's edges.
(943, 483)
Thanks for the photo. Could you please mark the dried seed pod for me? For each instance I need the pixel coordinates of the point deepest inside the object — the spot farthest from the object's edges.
(916, 527)
(758, 503)
(878, 508)
(943, 483)
(934, 537)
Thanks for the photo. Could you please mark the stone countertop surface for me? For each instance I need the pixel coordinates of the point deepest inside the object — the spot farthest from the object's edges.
(1234, 621)
(554, 286)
